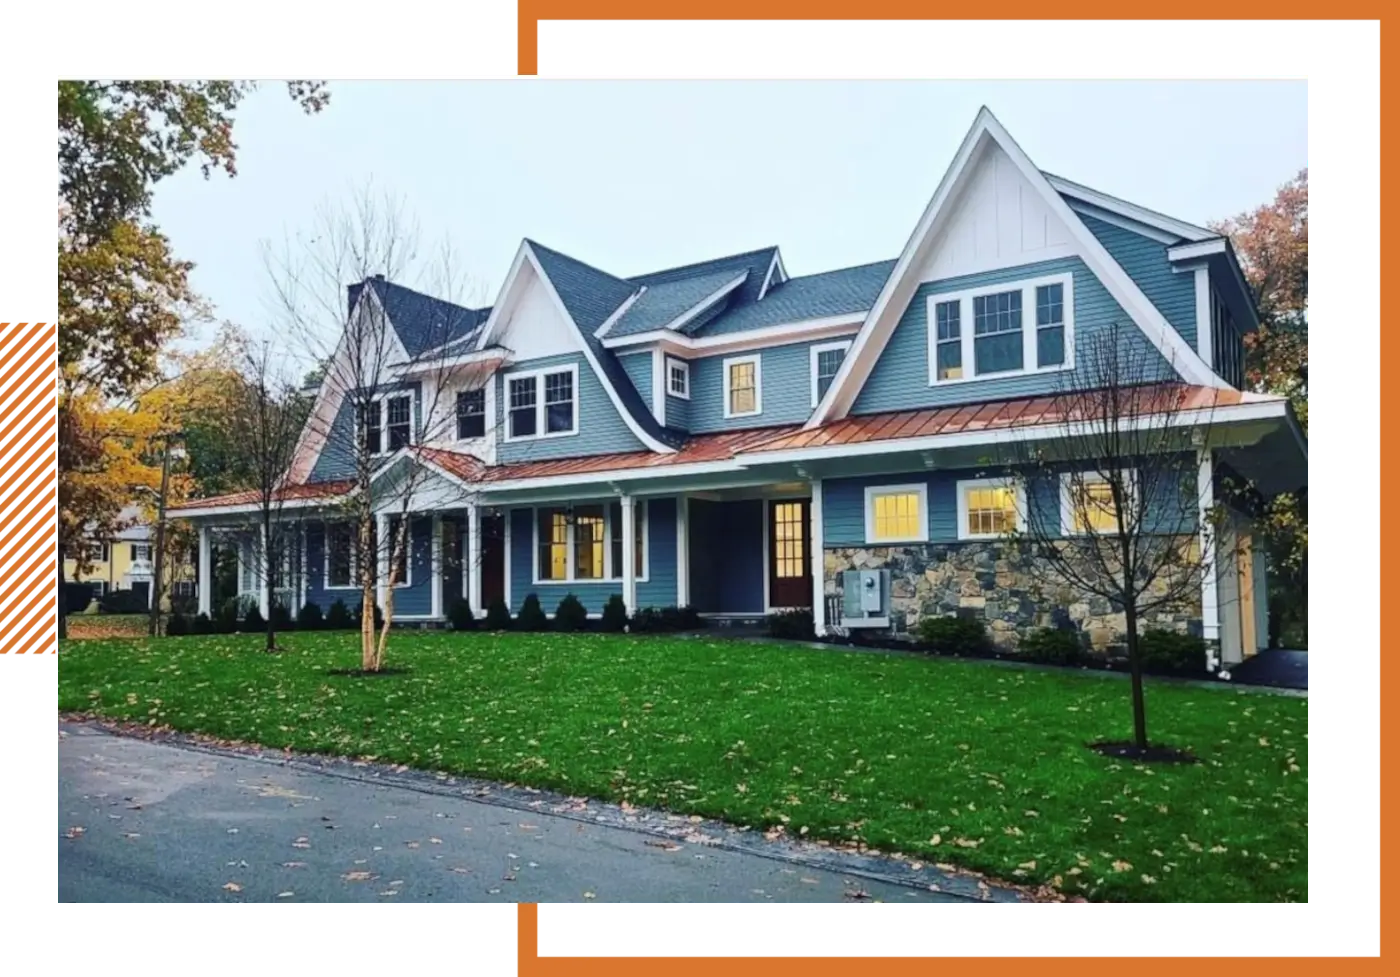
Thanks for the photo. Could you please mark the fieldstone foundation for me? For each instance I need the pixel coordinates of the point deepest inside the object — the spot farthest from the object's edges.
(999, 583)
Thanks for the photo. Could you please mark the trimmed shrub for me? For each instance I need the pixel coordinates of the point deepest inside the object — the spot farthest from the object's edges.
(309, 618)
(253, 621)
(796, 625)
(1053, 646)
(201, 624)
(123, 602)
(532, 615)
(691, 619)
(339, 618)
(648, 620)
(954, 635)
(498, 615)
(177, 625)
(227, 622)
(460, 614)
(570, 615)
(76, 597)
(614, 614)
(187, 606)
(281, 618)
(1169, 651)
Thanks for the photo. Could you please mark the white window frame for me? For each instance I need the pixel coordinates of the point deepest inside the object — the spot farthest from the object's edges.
(541, 413)
(485, 411)
(382, 399)
(99, 588)
(643, 573)
(140, 551)
(674, 364)
(1029, 347)
(843, 345)
(1018, 490)
(872, 492)
(1067, 501)
(183, 588)
(729, 362)
(354, 556)
(104, 553)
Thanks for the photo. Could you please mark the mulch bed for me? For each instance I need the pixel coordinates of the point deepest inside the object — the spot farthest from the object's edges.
(362, 673)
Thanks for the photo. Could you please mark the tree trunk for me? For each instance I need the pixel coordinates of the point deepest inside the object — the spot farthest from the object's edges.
(269, 593)
(369, 558)
(62, 596)
(395, 554)
(1135, 664)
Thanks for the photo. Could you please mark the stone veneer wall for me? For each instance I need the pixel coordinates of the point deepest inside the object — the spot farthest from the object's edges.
(997, 582)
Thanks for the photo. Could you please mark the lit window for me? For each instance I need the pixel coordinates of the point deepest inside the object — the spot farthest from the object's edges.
(789, 538)
(742, 395)
(471, 414)
(678, 379)
(1087, 504)
(400, 422)
(988, 508)
(896, 513)
(589, 539)
(522, 407)
(948, 342)
(552, 529)
(826, 363)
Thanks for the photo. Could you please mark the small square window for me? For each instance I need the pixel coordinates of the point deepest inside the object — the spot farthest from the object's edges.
(678, 379)
(896, 513)
(988, 508)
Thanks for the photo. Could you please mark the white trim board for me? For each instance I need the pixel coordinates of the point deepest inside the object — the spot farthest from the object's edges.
(900, 287)
(784, 333)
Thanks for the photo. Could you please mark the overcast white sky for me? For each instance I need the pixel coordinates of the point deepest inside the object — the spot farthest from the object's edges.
(634, 176)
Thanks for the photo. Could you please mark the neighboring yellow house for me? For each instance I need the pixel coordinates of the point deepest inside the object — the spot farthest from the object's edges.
(124, 562)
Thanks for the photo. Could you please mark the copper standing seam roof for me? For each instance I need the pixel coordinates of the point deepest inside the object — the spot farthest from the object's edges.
(290, 493)
(1018, 412)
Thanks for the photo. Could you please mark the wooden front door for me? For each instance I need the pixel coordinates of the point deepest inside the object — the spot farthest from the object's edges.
(493, 558)
(789, 553)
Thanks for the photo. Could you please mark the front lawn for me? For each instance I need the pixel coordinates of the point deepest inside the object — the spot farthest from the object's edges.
(960, 762)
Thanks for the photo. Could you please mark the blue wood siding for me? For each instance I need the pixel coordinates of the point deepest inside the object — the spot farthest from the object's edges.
(414, 600)
(337, 457)
(638, 369)
(899, 380)
(1145, 261)
(677, 412)
(602, 431)
(658, 590)
(726, 556)
(786, 378)
(843, 504)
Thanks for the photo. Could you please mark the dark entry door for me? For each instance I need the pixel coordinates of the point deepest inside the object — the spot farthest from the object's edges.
(789, 553)
(493, 558)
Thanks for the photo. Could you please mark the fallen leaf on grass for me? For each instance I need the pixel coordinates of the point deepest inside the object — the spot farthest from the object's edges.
(357, 876)
(294, 865)
(285, 895)
(664, 845)
(435, 841)
(233, 887)
(589, 895)
(74, 832)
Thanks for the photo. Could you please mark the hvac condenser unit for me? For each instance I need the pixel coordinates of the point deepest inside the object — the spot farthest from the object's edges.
(865, 599)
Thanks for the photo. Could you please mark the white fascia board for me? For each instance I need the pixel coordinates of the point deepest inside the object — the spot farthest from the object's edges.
(254, 507)
(615, 475)
(1196, 250)
(799, 331)
(774, 267)
(1123, 208)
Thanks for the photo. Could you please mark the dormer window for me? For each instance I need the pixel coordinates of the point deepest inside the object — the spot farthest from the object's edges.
(678, 379)
(1002, 330)
(397, 411)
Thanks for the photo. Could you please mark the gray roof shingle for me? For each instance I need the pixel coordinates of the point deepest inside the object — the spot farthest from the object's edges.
(421, 321)
(840, 292)
(663, 302)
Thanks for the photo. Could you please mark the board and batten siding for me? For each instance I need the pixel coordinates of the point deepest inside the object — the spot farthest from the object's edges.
(843, 504)
(1145, 261)
(337, 457)
(601, 429)
(658, 590)
(900, 378)
(786, 384)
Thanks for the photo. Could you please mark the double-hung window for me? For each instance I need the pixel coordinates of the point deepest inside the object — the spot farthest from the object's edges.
(826, 361)
(678, 378)
(400, 411)
(1087, 504)
(584, 542)
(1002, 330)
(639, 561)
(542, 404)
(386, 423)
(371, 426)
(743, 386)
(471, 414)
(989, 508)
(896, 513)
(140, 551)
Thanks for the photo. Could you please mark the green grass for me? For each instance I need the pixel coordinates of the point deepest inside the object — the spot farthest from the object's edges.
(958, 762)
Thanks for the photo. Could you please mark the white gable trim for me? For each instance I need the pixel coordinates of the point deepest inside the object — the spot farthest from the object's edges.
(1123, 208)
(676, 324)
(679, 344)
(900, 286)
(777, 274)
(1118, 220)
(593, 363)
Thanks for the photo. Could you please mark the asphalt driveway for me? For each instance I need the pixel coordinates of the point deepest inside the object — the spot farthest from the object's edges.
(150, 821)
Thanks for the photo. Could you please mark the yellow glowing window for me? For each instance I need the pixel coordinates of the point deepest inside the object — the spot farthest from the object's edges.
(554, 544)
(588, 542)
(789, 537)
(896, 515)
(1092, 507)
(743, 387)
(990, 510)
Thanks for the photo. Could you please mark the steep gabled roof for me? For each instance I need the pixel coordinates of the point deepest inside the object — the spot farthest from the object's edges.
(661, 305)
(421, 321)
(832, 293)
(756, 263)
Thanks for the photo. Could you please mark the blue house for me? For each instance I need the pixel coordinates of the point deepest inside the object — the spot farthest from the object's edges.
(732, 438)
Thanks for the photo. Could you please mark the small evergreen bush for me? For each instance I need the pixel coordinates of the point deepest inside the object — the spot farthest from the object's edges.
(796, 625)
(532, 615)
(460, 614)
(281, 618)
(309, 618)
(253, 621)
(177, 625)
(648, 620)
(954, 635)
(1052, 646)
(227, 622)
(614, 614)
(570, 615)
(201, 624)
(498, 615)
(1170, 651)
(339, 618)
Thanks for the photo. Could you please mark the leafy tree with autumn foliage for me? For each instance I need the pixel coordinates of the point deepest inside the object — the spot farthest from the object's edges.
(123, 294)
(1272, 244)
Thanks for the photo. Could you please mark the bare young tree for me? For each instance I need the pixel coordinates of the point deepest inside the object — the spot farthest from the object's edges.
(267, 420)
(1114, 509)
(389, 378)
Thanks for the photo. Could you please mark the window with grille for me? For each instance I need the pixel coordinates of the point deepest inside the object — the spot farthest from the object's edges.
(988, 508)
(552, 535)
(948, 344)
(543, 404)
(589, 542)
(639, 564)
(559, 402)
(400, 422)
(678, 379)
(997, 346)
(1087, 503)
(896, 513)
(789, 540)
(471, 414)
(1017, 328)
(371, 429)
(1050, 325)
(826, 363)
(741, 387)
(522, 407)
(340, 554)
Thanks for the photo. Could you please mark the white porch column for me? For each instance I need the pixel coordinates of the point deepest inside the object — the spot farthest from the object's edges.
(629, 553)
(1205, 493)
(206, 574)
(818, 559)
(473, 560)
(262, 567)
(682, 551)
(382, 545)
(437, 565)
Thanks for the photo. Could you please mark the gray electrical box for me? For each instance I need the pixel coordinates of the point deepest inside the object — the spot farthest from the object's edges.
(865, 599)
